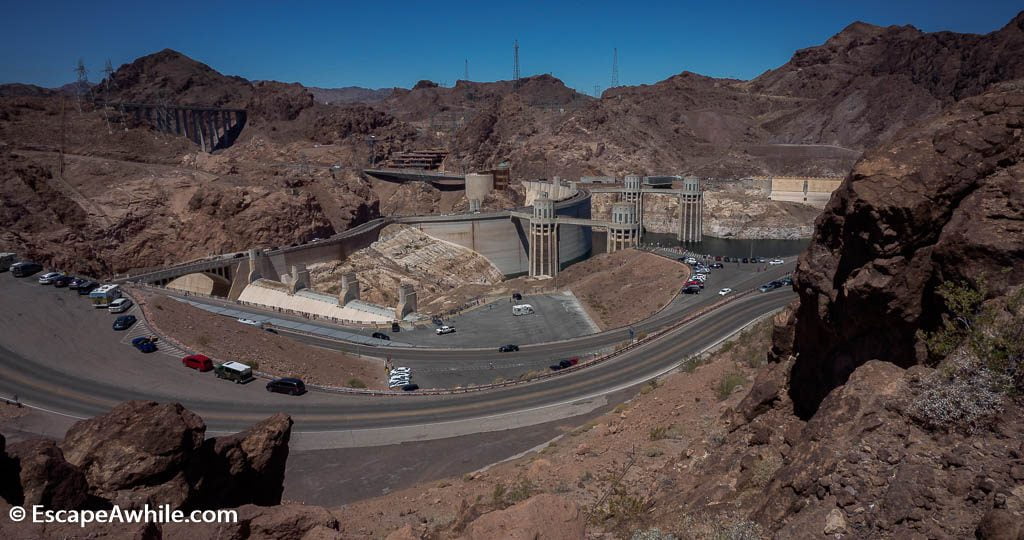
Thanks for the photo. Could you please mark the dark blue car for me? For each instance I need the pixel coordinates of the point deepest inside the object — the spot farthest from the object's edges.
(144, 344)
(124, 322)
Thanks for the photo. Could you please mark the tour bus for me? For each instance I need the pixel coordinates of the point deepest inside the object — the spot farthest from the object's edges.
(102, 296)
(522, 309)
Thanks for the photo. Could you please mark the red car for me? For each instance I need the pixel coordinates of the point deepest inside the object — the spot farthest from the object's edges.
(197, 361)
(695, 282)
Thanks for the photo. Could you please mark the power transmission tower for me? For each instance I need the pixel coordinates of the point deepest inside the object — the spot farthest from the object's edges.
(515, 66)
(615, 68)
(108, 74)
(597, 90)
(465, 73)
(83, 82)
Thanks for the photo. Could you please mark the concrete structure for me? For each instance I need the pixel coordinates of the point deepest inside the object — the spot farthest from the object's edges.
(556, 190)
(597, 179)
(406, 300)
(200, 283)
(544, 238)
(349, 288)
(297, 279)
(691, 204)
(478, 187)
(438, 179)
(813, 191)
(624, 231)
(212, 128)
(502, 237)
(661, 181)
(691, 211)
(277, 296)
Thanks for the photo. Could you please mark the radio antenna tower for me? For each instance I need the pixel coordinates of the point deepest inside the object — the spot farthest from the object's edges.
(465, 72)
(515, 64)
(615, 68)
(83, 82)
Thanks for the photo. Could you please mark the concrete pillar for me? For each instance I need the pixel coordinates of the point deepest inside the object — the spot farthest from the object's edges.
(254, 265)
(349, 288)
(297, 280)
(406, 300)
(198, 130)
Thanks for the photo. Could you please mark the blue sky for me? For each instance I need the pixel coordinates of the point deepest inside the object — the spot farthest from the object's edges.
(395, 43)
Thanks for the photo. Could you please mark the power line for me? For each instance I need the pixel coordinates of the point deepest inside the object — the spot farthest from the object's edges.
(515, 67)
(615, 68)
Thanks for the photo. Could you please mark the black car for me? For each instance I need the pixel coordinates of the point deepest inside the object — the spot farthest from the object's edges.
(76, 283)
(508, 348)
(86, 287)
(395, 327)
(717, 265)
(787, 280)
(745, 260)
(381, 335)
(517, 297)
(691, 289)
(287, 385)
(565, 364)
(62, 281)
(124, 322)
(410, 387)
(775, 284)
(25, 268)
(555, 367)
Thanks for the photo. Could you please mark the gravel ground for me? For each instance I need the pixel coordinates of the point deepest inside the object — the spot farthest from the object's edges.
(222, 338)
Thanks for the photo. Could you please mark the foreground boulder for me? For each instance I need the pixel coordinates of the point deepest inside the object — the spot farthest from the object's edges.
(137, 453)
(45, 478)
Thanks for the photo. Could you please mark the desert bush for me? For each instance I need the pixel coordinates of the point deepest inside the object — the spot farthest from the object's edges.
(764, 469)
(963, 394)
(658, 433)
(727, 384)
(718, 527)
(202, 340)
(356, 383)
(520, 491)
(653, 534)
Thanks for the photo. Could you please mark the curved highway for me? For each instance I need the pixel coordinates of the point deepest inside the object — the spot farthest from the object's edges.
(59, 354)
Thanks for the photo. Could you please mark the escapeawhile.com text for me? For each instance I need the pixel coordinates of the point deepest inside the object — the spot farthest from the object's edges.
(146, 514)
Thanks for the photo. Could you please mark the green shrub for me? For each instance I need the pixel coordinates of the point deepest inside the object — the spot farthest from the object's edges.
(728, 384)
(356, 383)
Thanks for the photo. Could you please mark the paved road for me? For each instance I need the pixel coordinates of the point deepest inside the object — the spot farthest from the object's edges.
(59, 353)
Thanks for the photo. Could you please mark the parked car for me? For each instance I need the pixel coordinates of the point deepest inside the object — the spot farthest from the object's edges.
(398, 383)
(761, 260)
(771, 285)
(86, 288)
(774, 262)
(565, 364)
(699, 277)
(395, 327)
(287, 385)
(144, 344)
(517, 297)
(717, 265)
(445, 330)
(124, 322)
(119, 305)
(49, 277)
(725, 291)
(381, 335)
(62, 281)
(745, 260)
(718, 258)
(508, 348)
(233, 371)
(691, 260)
(691, 289)
(555, 367)
(787, 281)
(25, 268)
(77, 282)
(199, 362)
(250, 322)
(411, 387)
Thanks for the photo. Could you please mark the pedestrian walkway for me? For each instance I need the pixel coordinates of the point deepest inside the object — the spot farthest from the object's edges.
(140, 328)
(330, 333)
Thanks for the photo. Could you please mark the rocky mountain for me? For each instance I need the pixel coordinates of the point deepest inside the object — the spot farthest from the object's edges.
(939, 204)
(350, 94)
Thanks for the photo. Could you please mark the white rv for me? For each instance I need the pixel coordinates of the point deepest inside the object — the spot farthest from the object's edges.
(522, 309)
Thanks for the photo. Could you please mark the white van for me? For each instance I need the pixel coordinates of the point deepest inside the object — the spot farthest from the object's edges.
(522, 309)
(119, 305)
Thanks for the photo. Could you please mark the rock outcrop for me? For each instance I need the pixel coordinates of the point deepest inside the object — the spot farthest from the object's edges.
(942, 204)
(540, 517)
(153, 453)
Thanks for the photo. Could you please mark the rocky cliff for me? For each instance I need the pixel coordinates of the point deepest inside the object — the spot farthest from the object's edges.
(941, 204)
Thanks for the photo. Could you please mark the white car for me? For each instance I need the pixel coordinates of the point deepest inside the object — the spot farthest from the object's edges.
(47, 278)
(445, 330)
(699, 277)
(400, 370)
(776, 261)
(725, 291)
(251, 322)
(691, 260)
(119, 305)
(397, 384)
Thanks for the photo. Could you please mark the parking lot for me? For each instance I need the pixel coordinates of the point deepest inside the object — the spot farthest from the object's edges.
(557, 316)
